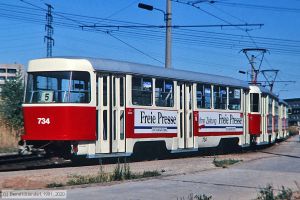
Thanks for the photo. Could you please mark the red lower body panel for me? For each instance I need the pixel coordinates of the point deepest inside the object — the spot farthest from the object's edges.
(59, 123)
(254, 124)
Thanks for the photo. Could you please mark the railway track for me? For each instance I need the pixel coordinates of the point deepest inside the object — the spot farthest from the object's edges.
(17, 158)
(30, 162)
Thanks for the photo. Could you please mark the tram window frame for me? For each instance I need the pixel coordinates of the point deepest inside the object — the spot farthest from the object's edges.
(141, 93)
(234, 98)
(114, 89)
(58, 87)
(219, 98)
(257, 105)
(204, 101)
(162, 91)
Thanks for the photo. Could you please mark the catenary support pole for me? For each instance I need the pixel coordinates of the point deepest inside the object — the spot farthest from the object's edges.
(168, 61)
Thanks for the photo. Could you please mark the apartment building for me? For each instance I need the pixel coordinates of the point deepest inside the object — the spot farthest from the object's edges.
(9, 71)
(294, 116)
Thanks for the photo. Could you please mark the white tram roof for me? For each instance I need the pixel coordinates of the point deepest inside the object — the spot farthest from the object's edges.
(262, 90)
(123, 67)
(281, 101)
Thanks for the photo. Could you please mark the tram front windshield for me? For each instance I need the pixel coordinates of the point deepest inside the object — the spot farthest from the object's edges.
(58, 87)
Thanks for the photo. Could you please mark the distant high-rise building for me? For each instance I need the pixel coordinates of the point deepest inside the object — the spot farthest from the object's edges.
(294, 116)
(9, 72)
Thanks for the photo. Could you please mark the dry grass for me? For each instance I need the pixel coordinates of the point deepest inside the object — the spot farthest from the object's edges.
(293, 130)
(8, 138)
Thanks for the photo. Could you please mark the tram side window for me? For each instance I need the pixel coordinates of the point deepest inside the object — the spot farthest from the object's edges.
(203, 96)
(254, 102)
(270, 106)
(220, 97)
(276, 108)
(164, 93)
(122, 91)
(234, 99)
(105, 90)
(141, 91)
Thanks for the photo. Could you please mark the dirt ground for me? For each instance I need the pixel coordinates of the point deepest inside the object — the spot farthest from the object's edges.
(35, 179)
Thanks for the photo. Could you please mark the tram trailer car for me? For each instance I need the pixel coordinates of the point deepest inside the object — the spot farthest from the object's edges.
(283, 122)
(267, 116)
(106, 108)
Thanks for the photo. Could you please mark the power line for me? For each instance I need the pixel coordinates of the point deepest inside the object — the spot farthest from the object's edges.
(183, 35)
(271, 83)
(229, 14)
(134, 48)
(173, 26)
(194, 5)
(211, 37)
(122, 9)
(209, 32)
(262, 7)
(191, 35)
(208, 13)
(129, 45)
(33, 5)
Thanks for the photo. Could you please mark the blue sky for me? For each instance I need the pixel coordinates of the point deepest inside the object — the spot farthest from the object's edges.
(210, 50)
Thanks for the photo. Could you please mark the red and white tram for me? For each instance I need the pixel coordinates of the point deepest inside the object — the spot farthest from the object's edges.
(101, 107)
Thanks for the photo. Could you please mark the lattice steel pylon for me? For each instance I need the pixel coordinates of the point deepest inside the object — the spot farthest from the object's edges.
(253, 54)
(49, 30)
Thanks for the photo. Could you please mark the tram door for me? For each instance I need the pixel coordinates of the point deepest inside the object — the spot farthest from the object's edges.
(111, 114)
(186, 139)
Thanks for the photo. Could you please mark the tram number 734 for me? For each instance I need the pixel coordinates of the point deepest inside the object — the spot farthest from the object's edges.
(43, 120)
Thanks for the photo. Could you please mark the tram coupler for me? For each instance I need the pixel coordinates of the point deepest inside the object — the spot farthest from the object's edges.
(23, 148)
(26, 149)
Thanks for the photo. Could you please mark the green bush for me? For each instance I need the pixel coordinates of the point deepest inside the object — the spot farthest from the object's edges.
(284, 194)
(202, 197)
(80, 179)
(11, 103)
(127, 173)
(225, 163)
(197, 197)
(120, 173)
(267, 193)
(150, 174)
(54, 185)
